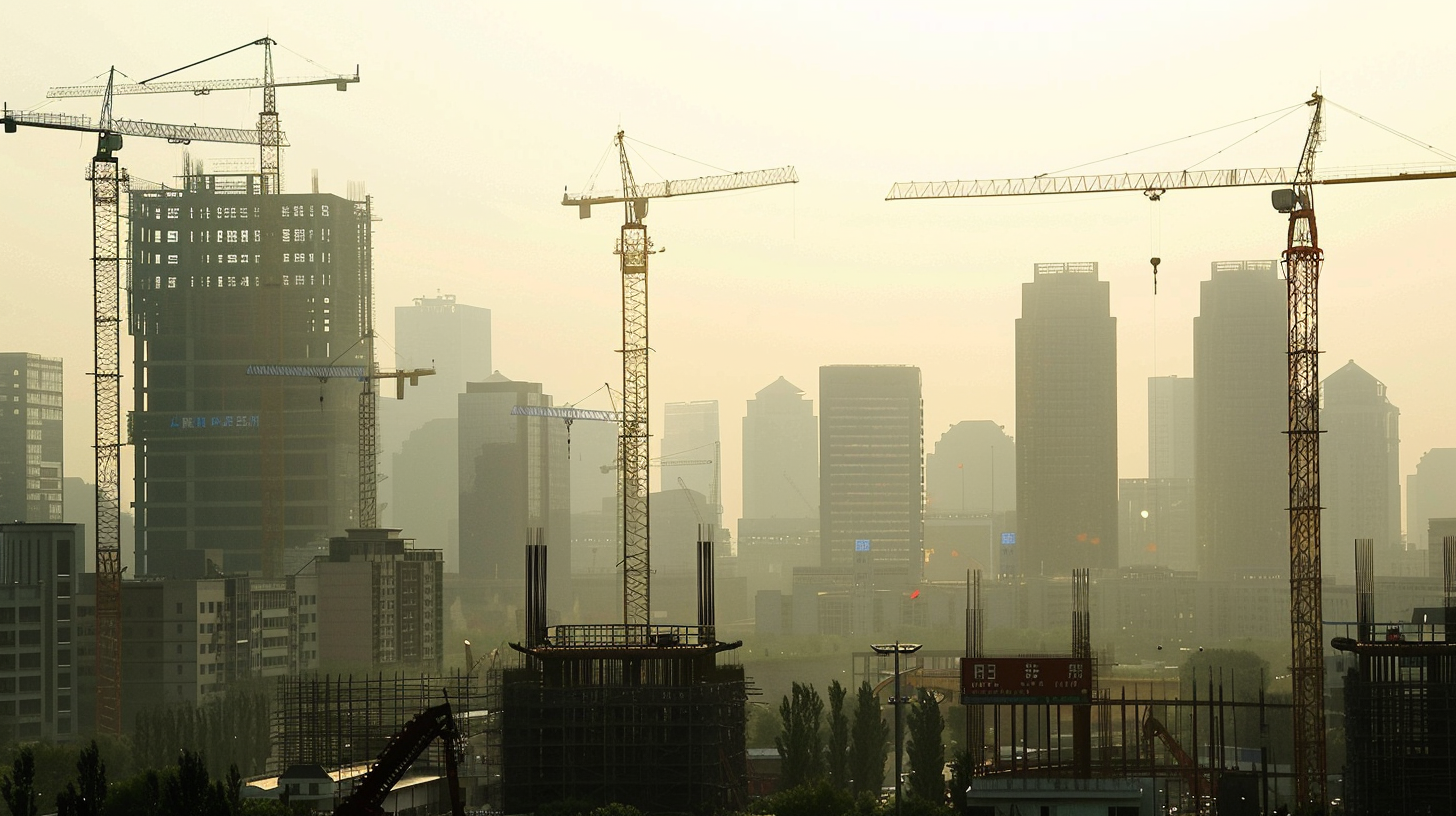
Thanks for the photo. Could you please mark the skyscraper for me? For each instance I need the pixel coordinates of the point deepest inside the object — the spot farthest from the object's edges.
(207, 302)
(1066, 422)
(1170, 427)
(871, 506)
(1241, 388)
(971, 470)
(31, 435)
(418, 434)
(780, 454)
(1359, 470)
(691, 450)
(513, 477)
(1430, 493)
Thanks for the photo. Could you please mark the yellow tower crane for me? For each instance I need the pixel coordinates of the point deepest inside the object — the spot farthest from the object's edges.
(633, 248)
(1302, 261)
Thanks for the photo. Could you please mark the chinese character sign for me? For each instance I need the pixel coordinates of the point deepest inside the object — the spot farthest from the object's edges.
(1023, 680)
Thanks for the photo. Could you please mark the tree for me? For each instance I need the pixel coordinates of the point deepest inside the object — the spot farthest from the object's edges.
(800, 747)
(962, 768)
(17, 788)
(838, 752)
(926, 748)
(869, 743)
(87, 795)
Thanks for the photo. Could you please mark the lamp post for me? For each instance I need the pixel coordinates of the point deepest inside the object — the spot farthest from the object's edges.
(897, 648)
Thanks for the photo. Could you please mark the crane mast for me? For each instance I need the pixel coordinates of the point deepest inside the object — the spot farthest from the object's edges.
(633, 248)
(1302, 261)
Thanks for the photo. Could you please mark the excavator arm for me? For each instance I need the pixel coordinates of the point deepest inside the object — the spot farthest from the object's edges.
(399, 754)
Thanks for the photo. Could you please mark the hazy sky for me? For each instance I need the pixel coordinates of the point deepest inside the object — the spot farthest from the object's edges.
(472, 118)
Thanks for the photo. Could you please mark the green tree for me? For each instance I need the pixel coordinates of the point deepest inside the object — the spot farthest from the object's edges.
(87, 795)
(17, 788)
(800, 747)
(926, 748)
(821, 798)
(962, 768)
(838, 749)
(869, 743)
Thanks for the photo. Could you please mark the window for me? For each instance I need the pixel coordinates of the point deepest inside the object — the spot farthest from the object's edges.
(30, 660)
(30, 614)
(179, 607)
(30, 638)
(63, 680)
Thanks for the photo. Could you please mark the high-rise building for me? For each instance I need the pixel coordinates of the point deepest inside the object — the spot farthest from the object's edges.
(691, 450)
(207, 301)
(1430, 493)
(780, 454)
(1066, 422)
(513, 478)
(1241, 410)
(780, 526)
(971, 470)
(454, 339)
(31, 466)
(47, 657)
(380, 603)
(871, 482)
(1170, 427)
(1359, 471)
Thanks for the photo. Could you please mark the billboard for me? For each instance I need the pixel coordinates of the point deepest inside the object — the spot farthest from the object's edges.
(861, 545)
(1025, 680)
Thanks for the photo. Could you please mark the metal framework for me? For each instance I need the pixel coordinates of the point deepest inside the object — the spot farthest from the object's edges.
(633, 248)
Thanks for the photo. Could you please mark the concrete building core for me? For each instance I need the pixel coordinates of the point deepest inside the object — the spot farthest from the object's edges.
(1066, 422)
(197, 321)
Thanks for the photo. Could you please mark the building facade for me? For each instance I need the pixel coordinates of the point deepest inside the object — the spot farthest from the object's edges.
(1359, 471)
(1170, 427)
(47, 678)
(780, 454)
(690, 450)
(223, 279)
(31, 436)
(379, 604)
(871, 482)
(1066, 422)
(513, 477)
(1241, 393)
(1430, 493)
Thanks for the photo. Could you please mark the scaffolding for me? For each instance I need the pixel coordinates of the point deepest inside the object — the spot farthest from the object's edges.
(342, 721)
(658, 725)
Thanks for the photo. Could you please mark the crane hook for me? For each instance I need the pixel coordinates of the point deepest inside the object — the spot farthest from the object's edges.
(1155, 261)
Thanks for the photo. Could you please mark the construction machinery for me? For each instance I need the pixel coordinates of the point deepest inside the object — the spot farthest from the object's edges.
(1302, 259)
(368, 415)
(633, 249)
(436, 722)
(109, 181)
(1199, 783)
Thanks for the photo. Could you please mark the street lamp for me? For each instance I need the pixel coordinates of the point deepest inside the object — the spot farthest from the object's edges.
(897, 648)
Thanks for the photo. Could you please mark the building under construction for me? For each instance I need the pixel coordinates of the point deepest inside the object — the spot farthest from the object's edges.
(1400, 702)
(206, 303)
(639, 714)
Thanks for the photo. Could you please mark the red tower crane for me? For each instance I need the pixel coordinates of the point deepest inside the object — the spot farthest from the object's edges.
(1302, 260)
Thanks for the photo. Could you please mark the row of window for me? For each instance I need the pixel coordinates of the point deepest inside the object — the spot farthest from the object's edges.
(287, 211)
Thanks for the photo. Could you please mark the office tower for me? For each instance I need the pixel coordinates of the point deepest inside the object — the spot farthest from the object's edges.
(30, 438)
(780, 526)
(871, 508)
(780, 454)
(971, 470)
(1430, 493)
(1066, 422)
(1170, 427)
(207, 301)
(1156, 515)
(513, 478)
(1241, 411)
(691, 451)
(47, 663)
(1359, 471)
(417, 446)
(381, 603)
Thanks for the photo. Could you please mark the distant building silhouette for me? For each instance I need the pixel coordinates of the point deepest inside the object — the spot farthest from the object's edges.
(513, 477)
(780, 525)
(970, 499)
(690, 434)
(453, 338)
(1359, 471)
(1430, 493)
(31, 435)
(1156, 517)
(199, 316)
(1241, 393)
(1066, 422)
(871, 422)
(1170, 427)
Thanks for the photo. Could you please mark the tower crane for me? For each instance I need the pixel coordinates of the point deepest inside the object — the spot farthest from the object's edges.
(1302, 259)
(633, 249)
(109, 181)
(270, 141)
